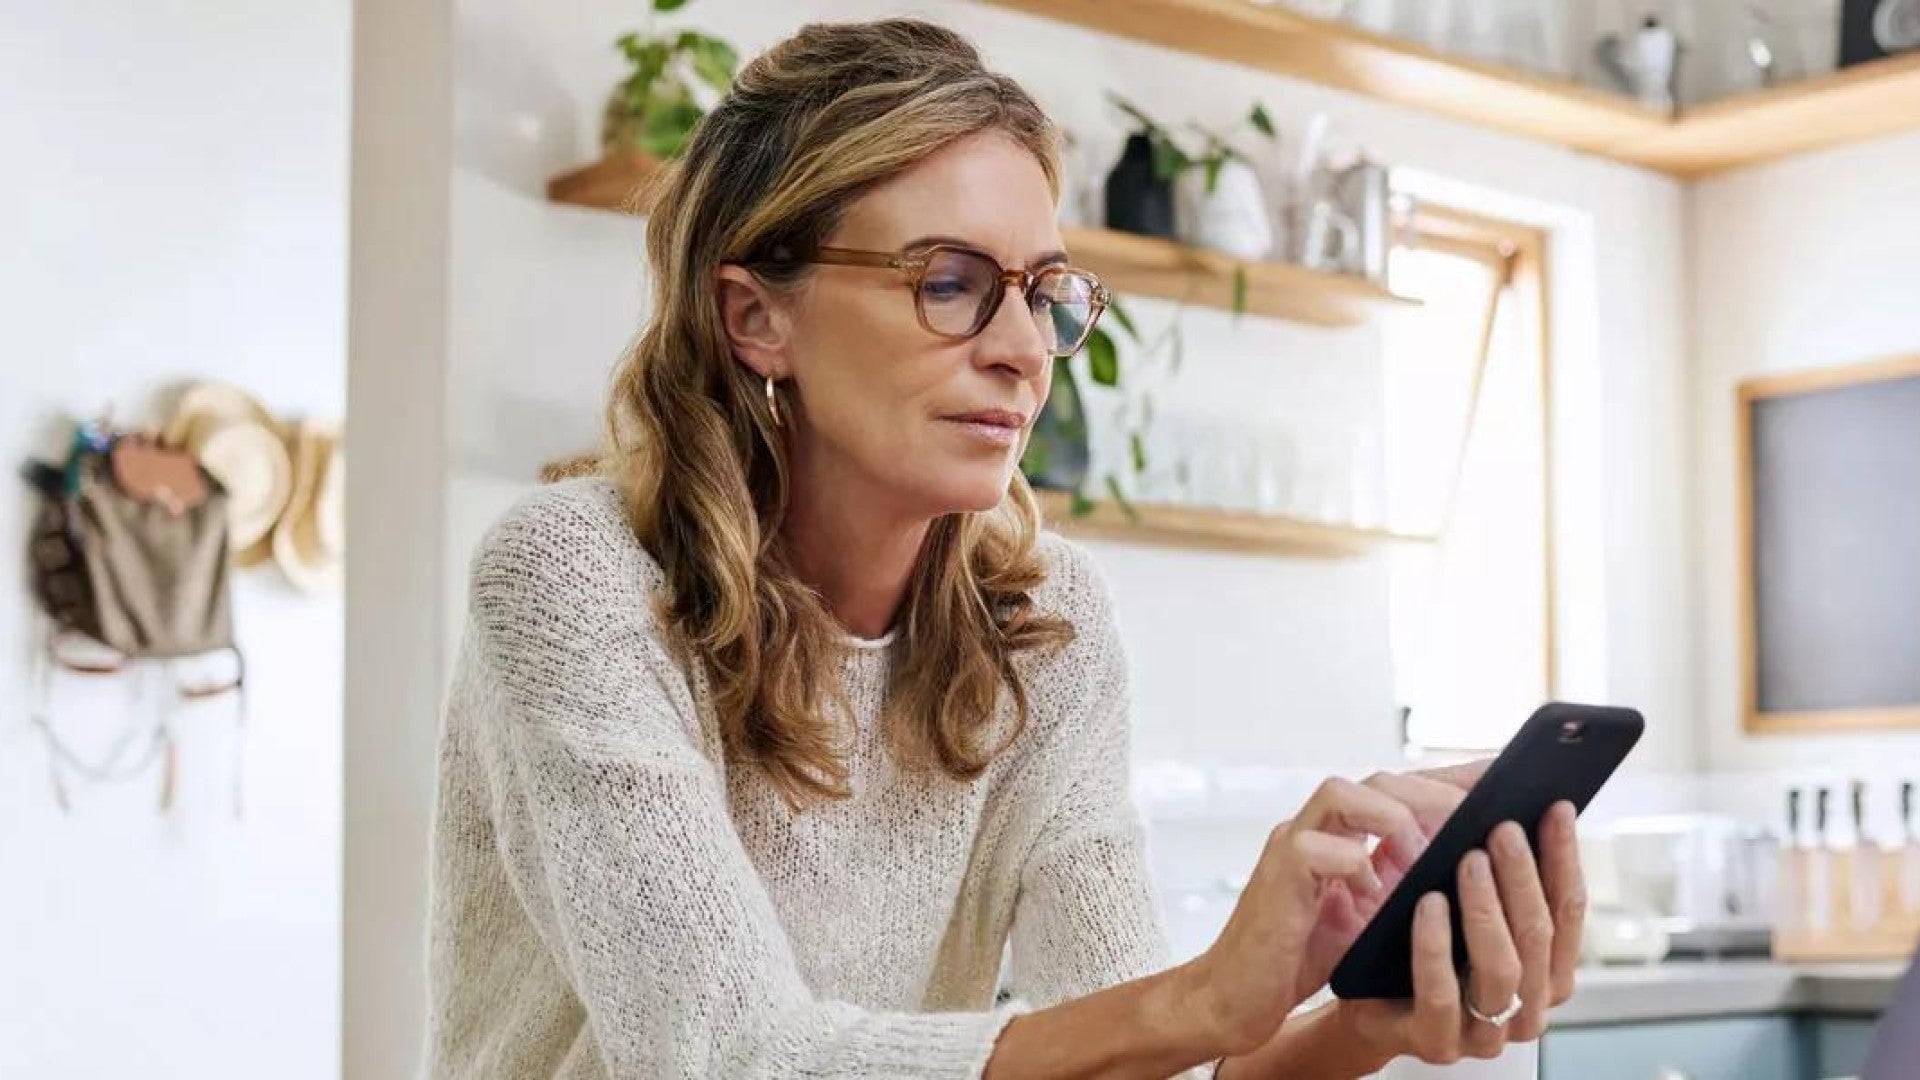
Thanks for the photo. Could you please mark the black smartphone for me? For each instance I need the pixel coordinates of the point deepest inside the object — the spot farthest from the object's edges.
(1564, 751)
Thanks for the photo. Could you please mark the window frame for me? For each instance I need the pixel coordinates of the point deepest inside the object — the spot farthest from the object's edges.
(1517, 254)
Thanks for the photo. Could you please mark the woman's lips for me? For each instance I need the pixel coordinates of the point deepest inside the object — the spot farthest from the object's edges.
(997, 426)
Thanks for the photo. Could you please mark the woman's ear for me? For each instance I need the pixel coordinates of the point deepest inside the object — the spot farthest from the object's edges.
(756, 324)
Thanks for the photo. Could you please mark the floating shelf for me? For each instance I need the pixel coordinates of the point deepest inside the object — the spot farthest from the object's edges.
(1862, 102)
(1131, 265)
(616, 182)
(1855, 104)
(1147, 266)
(1205, 529)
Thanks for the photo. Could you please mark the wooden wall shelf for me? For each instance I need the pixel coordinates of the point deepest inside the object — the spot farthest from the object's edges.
(1205, 529)
(615, 182)
(1146, 266)
(1132, 265)
(1861, 102)
(1853, 105)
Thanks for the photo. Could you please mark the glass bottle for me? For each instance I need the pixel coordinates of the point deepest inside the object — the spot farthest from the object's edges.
(1475, 31)
(1817, 33)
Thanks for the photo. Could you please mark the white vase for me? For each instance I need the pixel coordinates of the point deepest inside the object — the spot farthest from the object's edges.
(1231, 219)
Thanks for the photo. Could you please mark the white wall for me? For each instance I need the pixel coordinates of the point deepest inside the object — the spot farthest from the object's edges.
(545, 297)
(1802, 264)
(175, 194)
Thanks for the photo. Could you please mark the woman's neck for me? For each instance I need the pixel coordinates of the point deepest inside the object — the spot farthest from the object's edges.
(855, 553)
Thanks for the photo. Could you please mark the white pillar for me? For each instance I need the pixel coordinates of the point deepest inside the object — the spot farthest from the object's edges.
(402, 129)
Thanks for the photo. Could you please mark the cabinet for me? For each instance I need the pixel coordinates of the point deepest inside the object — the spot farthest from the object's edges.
(1730, 1048)
(1840, 1045)
(1770, 1047)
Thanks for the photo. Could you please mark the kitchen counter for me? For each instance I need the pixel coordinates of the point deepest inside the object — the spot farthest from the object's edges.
(1679, 990)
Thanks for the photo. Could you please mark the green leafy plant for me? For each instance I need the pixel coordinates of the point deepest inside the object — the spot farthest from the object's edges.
(654, 109)
(1170, 158)
(1063, 430)
(1216, 150)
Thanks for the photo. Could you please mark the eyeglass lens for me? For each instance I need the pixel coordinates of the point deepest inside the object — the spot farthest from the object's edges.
(959, 290)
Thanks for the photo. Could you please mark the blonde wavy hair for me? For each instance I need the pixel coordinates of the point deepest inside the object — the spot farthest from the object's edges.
(807, 129)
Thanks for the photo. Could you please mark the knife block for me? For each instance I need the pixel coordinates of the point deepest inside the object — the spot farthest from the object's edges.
(1894, 936)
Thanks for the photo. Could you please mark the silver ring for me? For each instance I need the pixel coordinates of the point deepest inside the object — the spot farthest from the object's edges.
(1499, 1019)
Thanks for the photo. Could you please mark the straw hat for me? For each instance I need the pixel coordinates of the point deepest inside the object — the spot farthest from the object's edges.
(310, 539)
(236, 440)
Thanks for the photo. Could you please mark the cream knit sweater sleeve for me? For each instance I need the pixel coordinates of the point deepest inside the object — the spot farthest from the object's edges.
(1088, 867)
(594, 746)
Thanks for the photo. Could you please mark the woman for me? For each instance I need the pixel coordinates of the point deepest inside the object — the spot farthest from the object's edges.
(763, 748)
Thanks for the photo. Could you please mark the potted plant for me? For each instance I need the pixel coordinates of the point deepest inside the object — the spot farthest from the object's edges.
(1210, 198)
(1059, 455)
(674, 78)
(1218, 203)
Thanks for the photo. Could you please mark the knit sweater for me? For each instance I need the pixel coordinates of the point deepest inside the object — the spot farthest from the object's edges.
(614, 896)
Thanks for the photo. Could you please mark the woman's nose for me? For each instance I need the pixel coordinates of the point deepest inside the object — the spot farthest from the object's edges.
(1012, 339)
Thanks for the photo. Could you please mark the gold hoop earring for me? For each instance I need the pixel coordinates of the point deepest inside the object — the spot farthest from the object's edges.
(773, 406)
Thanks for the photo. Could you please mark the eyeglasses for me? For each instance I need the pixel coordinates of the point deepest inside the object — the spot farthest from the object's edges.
(957, 291)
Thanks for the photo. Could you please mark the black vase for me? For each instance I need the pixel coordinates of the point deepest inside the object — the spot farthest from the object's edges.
(1138, 199)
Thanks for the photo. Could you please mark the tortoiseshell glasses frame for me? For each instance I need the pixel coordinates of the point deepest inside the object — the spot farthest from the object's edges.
(1044, 289)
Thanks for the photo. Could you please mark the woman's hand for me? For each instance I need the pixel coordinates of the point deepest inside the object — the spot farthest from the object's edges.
(1260, 967)
(1432, 796)
(1522, 922)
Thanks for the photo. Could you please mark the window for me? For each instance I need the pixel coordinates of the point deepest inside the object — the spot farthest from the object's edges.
(1466, 455)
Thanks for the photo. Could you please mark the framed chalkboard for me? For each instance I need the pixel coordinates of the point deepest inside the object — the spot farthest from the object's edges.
(1830, 547)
